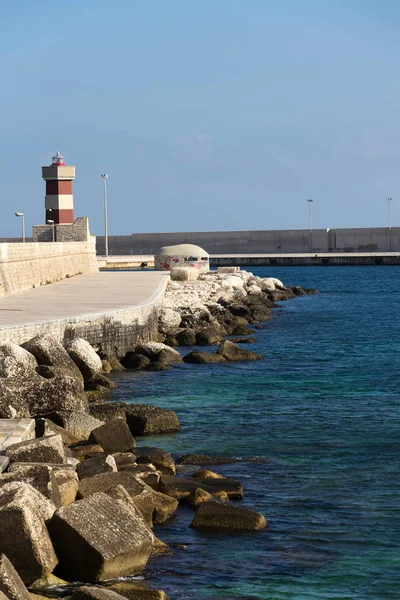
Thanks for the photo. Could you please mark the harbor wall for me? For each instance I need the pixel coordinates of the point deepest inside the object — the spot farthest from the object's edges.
(30, 265)
(368, 239)
(112, 332)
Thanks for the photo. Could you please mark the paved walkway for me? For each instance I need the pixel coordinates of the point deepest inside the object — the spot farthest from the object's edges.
(82, 295)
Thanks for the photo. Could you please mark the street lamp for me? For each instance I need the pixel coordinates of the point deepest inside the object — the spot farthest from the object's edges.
(51, 222)
(389, 201)
(104, 177)
(18, 214)
(310, 203)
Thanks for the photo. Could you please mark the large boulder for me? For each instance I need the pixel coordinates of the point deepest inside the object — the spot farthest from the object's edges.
(161, 459)
(169, 320)
(85, 358)
(153, 349)
(220, 516)
(24, 538)
(21, 397)
(147, 419)
(140, 493)
(184, 274)
(49, 449)
(79, 424)
(203, 358)
(107, 411)
(49, 351)
(180, 487)
(11, 583)
(234, 353)
(205, 459)
(38, 475)
(16, 361)
(67, 481)
(97, 539)
(233, 281)
(136, 362)
(164, 507)
(114, 436)
(138, 590)
(45, 427)
(96, 465)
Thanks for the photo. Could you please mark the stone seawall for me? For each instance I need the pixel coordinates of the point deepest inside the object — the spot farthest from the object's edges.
(29, 265)
(112, 332)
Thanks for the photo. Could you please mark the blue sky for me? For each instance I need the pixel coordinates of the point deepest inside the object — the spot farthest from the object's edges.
(208, 115)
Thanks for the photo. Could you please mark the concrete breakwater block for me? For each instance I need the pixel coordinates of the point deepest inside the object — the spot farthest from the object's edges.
(24, 537)
(13, 431)
(11, 583)
(220, 516)
(49, 449)
(97, 538)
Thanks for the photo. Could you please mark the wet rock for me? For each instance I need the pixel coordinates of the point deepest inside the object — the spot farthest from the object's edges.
(203, 358)
(242, 330)
(162, 460)
(49, 449)
(219, 516)
(139, 492)
(205, 459)
(79, 424)
(95, 593)
(207, 474)
(138, 590)
(114, 436)
(39, 476)
(198, 496)
(153, 349)
(135, 362)
(106, 367)
(146, 473)
(234, 353)
(208, 336)
(298, 291)
(100, 380)
(180, 488)
(186, 337)
(11, 584)
(85, 358)
(239, 310)
(96, 465)
(164, 507)
(49, 351)
(97, 539)
(115, 363)
(45, 427)
(24, 538)
(243, 340)
(147, 419)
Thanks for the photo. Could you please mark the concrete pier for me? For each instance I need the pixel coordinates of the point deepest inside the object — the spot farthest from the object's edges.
(108, 309)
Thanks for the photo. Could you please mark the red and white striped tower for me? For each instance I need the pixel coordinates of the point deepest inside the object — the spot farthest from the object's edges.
(59, 201)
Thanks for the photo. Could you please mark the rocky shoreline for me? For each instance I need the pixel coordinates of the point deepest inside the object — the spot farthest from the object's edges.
(79, 501)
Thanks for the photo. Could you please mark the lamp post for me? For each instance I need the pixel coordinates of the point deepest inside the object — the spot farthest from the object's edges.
(104, 177)
(51, 222)
(19, 214)
(310, 203)
(389, 201)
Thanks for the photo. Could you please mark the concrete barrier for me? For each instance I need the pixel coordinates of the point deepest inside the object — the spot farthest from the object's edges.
(29, 265)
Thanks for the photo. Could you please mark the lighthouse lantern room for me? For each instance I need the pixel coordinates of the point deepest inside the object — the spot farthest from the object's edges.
(59, 201)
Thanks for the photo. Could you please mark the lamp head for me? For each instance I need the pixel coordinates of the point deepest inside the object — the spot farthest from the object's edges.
(50, 222)
(18, 214)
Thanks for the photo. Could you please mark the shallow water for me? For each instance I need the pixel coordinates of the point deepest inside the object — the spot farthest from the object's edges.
(324, 408)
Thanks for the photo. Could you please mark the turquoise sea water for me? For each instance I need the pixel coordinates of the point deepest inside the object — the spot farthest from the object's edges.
(324, 408)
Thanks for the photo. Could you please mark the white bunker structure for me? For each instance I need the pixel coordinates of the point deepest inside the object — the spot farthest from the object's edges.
(182, 255)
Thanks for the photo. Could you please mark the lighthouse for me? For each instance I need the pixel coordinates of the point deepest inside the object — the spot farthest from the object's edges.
(59, 201)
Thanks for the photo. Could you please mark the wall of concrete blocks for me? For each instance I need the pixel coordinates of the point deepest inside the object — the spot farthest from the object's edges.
(78, 231)
(372, 239)
(113, 332)
(29, 265)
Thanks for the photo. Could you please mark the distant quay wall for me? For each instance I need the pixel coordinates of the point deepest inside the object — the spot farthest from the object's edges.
(114, 332)
(367, 239)
(29, 265)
